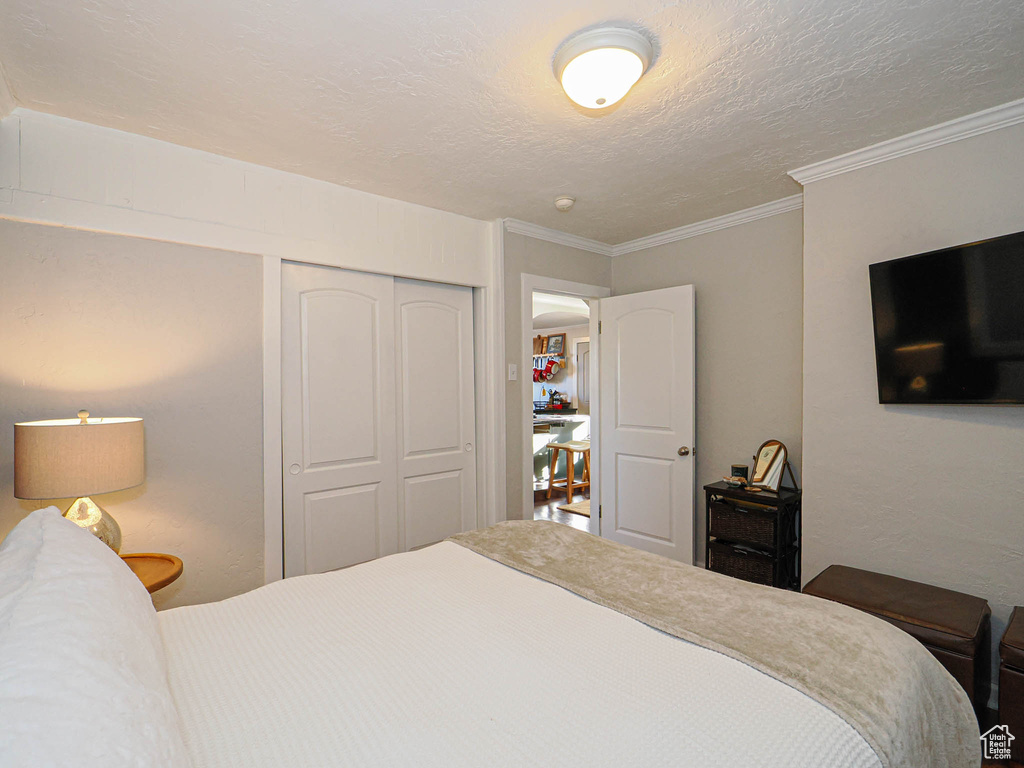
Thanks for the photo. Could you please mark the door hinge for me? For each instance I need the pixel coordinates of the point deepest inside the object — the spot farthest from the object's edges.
(598, 511)
(599, 326)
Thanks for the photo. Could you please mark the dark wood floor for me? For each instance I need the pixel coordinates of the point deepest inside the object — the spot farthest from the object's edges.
(548, 510)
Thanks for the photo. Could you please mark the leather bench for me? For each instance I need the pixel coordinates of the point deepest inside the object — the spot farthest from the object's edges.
(1011, 682)
(952, 625)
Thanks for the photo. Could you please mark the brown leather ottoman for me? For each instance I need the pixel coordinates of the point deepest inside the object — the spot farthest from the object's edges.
(952, 625)
(1011, 682)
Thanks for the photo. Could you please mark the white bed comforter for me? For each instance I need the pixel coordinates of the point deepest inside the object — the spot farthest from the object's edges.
(443, 657)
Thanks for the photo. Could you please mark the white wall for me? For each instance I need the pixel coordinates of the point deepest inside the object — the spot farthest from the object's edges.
(528, 255)
(6, 99)
(128, 327)
(930, 493)
(71, 174)
(65, 172)
(747, 280)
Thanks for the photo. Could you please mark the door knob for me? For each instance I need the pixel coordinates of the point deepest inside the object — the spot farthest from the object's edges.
(684, 451)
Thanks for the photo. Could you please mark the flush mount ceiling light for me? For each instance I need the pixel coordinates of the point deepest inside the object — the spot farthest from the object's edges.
(598, 67)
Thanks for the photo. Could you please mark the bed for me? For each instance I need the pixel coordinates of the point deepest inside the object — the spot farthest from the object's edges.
(486, 650)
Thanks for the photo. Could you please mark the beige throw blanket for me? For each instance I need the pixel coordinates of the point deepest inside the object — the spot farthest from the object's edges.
(873, 675)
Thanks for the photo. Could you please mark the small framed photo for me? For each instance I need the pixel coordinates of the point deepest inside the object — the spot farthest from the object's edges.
(555, 344)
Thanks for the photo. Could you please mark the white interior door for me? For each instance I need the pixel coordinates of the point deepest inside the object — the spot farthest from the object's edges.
(647, 420)
(338, 417)
(435, 413)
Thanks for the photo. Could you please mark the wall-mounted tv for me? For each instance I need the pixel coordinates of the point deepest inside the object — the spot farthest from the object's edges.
(949, 325)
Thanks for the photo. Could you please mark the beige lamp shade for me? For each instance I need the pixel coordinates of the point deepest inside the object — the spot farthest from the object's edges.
(63, 458)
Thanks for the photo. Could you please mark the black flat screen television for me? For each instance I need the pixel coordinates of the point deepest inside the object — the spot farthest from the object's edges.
(949, 325)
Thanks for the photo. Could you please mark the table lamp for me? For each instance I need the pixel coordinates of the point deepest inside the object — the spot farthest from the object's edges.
(79, 457)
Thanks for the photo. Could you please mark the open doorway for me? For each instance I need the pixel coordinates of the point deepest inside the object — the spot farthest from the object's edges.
(642, 413)
(573, 300)
(561, 417)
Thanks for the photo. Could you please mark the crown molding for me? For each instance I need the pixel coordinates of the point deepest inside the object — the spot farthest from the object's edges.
(555, 236)
(791, 203)
(1002, 116)
(965, 127)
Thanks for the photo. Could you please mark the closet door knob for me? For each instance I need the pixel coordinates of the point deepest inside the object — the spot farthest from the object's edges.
(684, 451)
(295, 469)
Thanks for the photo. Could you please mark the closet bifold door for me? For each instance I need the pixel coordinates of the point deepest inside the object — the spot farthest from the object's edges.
(435, 412)
(338, 418)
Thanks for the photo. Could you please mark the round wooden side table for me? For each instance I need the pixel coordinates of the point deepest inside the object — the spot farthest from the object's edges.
(154, 570)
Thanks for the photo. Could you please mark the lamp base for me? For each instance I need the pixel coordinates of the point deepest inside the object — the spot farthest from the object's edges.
(86, 513)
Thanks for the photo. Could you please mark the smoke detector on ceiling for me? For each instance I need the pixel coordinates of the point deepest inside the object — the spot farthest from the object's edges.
(564, 203)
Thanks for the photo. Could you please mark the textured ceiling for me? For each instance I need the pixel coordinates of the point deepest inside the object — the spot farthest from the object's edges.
(453, 104)
(558, 320)
(554, 302)
(556, 311)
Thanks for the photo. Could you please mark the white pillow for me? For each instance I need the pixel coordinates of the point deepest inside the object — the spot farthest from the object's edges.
(83, 678)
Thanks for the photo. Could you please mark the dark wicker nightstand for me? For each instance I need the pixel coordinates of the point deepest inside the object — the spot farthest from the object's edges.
(753, 536)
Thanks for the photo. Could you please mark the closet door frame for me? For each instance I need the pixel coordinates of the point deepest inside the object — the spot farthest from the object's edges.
(489, 385)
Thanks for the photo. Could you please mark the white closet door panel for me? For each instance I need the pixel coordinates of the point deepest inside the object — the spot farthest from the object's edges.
(431, 384)
(435, 412)
(339, 327)
(430, 514)
(342, 527)
(338, 419)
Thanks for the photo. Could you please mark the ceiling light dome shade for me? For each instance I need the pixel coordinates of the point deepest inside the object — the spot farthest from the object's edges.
(598, 67)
